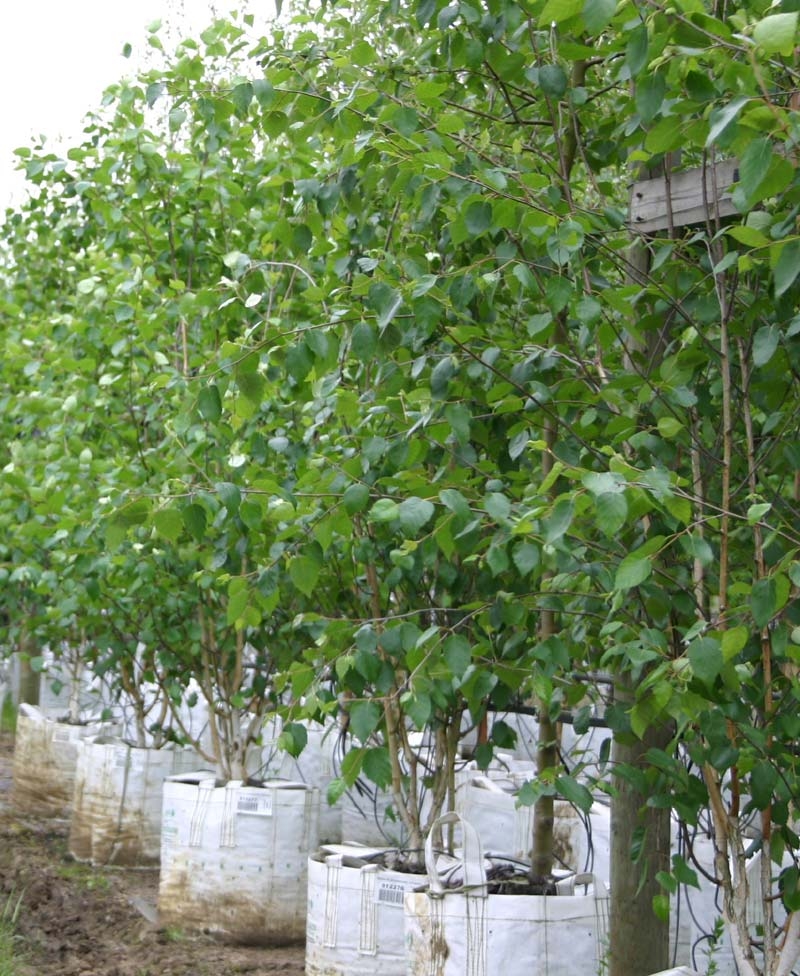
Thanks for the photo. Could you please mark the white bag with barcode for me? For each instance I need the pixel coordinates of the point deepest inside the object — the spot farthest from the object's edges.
(355, 913)
(465, 931)
(233, 857)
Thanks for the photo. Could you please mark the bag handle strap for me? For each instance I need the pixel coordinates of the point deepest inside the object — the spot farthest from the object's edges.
(471, 857)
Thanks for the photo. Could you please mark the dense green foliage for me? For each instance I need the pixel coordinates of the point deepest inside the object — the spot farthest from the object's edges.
(333, 372)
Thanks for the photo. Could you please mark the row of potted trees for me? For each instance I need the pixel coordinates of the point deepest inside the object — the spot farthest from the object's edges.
(347, 405)
(136, 806)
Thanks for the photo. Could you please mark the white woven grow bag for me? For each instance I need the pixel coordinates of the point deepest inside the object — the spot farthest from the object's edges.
(116, 810)
(468, 932)
(489, 804)
(355, 913)
(45, 761)
(234, 857)
(314, 767)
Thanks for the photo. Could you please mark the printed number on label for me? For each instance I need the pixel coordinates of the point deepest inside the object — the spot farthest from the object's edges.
(390, 893)
(259, 806)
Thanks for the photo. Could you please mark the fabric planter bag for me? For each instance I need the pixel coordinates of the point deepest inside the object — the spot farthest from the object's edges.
(465, 931)
(116, 810)
(314, 767)
(234, 858)
(45, 761)
(355, 913)
(489, 804)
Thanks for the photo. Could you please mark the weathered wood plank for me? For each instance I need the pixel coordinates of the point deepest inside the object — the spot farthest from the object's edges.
(651, 200)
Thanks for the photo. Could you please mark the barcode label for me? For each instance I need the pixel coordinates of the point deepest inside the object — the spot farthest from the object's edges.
(391, 893)
(257, 806)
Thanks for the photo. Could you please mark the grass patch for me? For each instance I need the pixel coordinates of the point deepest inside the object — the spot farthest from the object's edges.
(83, 874)
(10, 959)
(8, 716)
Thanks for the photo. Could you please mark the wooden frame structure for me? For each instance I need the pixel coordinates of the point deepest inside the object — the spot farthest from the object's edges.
(679, 199)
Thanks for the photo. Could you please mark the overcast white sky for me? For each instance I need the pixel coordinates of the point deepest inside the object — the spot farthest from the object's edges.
(57, 56)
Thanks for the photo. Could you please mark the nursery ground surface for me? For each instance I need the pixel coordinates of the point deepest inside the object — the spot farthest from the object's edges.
(75, 920)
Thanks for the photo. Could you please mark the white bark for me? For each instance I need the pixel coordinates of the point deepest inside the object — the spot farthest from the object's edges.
(790, 952)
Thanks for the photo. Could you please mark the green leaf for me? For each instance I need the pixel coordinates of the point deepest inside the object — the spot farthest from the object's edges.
(684, 874)
(377, 766)
(633, 570)
(414, 513)
(336, 790)
(789, 883)
(527, 557)
(765, 343)
(478, 217)
(650, 93)
(87, 285)
(351, 766)
(229, 495)
(385, 301)
(365, 716)
(251, 386)
(557, 11)
(453, 500)
(611, 512)
(242, 96)
(154, 92)
(293, 738)
(497, 560)
(458, 654)
(209, 404)
(362, 53)
(168, 523)
(553, 80)
(384, 510)
(661, 907)
(194, 518)
(560, 520)
(764, 601)
(575, 792)
(787, 266)
(419, 708)
(304, 573)
(597, 14)
(363, 342)
(497, 506)
(602, 483)
(733, 641)
(723, 119)
(776, 33)
(754, 165)
(695, 545)
(355, 498)
(638, 50)
(757, 512)
(763, 780)
(749, 236)
(705, 657)
(669, 427)
(177, 117)
(667, 881)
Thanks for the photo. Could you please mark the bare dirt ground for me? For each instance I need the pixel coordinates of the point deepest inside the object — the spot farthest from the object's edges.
(75, 920)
